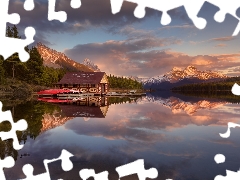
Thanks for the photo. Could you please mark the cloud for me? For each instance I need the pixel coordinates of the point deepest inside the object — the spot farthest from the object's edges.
(125, 57)
(219, 39)
(184, 26)
(147, 56)
(142, 53)
(92, 13)
(203, 60)
(224, 39)
(220, 45)
(131, 32)
(137, 123)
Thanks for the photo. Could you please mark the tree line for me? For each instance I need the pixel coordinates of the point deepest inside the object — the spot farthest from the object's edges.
(33, 71)
(123, 83)
(223, 85)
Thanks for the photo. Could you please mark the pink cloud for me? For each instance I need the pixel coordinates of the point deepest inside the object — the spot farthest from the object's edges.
(147, 57)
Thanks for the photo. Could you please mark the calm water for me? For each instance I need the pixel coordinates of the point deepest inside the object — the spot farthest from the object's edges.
(177, 135)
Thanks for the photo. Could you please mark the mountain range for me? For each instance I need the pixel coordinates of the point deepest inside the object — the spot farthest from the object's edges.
(178, 77)
(55, 59)
(174, 78)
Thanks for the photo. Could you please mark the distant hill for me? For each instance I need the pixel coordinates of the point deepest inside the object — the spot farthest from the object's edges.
(220, 85)
(178, 77)
(55, 59)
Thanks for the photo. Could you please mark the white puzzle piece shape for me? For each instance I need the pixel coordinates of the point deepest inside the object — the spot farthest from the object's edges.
(230, 175)
(13, 45)
(29, 5)
(21, 125)
(137, 167)
(227, 134)
(76, 4)
(67, 165)
(87, 173)
(192, 8)
(8, 162)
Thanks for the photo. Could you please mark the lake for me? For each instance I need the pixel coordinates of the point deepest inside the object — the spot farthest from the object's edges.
(176, 134)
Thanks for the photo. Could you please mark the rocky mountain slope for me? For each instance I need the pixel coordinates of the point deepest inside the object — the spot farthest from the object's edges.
(55, 59)
(91, 65)
(178, 76)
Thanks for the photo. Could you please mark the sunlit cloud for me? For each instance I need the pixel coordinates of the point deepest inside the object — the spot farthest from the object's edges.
(224, 39)
(220, 45)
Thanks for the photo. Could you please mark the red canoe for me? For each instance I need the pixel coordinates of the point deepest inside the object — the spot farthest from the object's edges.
(53, 92)
(54, 100)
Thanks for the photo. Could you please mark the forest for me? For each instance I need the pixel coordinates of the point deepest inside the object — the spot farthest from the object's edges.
(216, 90)
(123, 83)
(221, 85)
(32, 72)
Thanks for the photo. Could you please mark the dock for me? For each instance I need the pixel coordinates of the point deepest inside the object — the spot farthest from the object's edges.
(124, 94)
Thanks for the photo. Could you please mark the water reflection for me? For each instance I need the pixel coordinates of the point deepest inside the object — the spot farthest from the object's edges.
(177, 135)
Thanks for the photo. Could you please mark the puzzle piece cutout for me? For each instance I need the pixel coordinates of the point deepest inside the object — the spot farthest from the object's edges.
(137, 167)
(7, 48)
(67, 165)
(230, 175)
(61, 15)
(164, 7)
(52, 14)
(18, 126)
(227, 8)
(76, 4)
(192, 9)
(87, 173)
(236, 89)
(29, 5)
(8, 162)
(219, 158)
(230, 125)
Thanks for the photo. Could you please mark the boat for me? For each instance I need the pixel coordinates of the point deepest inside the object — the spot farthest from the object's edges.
(59, 92)
(52, 92)
(55, 100)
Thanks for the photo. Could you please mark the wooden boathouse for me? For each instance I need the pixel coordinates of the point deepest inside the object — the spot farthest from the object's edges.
(86, 82)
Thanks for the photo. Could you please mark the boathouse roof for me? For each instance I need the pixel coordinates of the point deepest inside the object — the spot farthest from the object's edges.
(82, 78)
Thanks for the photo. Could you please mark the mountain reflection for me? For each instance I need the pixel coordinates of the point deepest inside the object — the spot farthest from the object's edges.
(178, 105)
(170, 132)
(129, 121)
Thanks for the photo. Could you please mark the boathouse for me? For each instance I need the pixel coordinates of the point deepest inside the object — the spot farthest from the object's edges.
(86, 82)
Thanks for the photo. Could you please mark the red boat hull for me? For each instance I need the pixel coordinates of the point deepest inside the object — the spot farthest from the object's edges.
(54, 100)
(51, 92)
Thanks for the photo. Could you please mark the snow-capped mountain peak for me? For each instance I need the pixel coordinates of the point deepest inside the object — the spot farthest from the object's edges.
(91, 65)
(178, 74)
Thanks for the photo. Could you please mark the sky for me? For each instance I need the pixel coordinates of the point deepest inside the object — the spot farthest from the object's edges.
(124, 45)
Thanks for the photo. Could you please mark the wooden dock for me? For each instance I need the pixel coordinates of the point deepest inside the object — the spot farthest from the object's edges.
(124, 94)
(73, 96)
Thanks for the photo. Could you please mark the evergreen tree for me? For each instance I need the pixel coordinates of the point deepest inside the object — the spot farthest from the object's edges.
(2, 70)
